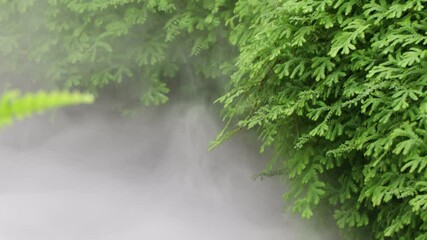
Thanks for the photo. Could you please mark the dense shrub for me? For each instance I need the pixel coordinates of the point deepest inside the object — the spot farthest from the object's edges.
(136, 46)
(339, 90)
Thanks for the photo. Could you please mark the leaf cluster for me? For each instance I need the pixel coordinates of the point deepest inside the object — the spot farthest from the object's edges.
(338, 90)
(139, 48)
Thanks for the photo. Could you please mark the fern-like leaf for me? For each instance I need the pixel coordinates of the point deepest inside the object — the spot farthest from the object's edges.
(14, 105)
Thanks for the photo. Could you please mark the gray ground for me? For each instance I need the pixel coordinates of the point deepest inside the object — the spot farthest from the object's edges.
(91, 176)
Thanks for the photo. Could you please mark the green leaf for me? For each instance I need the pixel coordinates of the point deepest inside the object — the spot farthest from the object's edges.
(14, 105)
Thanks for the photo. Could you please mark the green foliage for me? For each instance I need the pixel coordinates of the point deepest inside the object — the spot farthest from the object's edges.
(14, 105)
(138, 47)
(338, 90)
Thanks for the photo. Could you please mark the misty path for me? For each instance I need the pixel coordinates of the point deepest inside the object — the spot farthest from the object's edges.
(93, 176)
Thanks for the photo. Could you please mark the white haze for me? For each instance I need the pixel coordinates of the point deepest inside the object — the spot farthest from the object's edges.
(90, 175)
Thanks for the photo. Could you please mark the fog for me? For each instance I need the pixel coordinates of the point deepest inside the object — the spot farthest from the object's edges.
(87, 174)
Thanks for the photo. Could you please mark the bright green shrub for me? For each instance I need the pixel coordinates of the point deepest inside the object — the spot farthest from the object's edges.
(14, 105)
(139, 48)
(339, 90)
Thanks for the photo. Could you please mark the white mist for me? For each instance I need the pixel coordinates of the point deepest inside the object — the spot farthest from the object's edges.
(93, 176)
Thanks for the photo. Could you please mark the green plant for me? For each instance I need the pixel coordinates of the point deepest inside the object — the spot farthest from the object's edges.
(338, 89)
(137, 48)
(13, 105)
